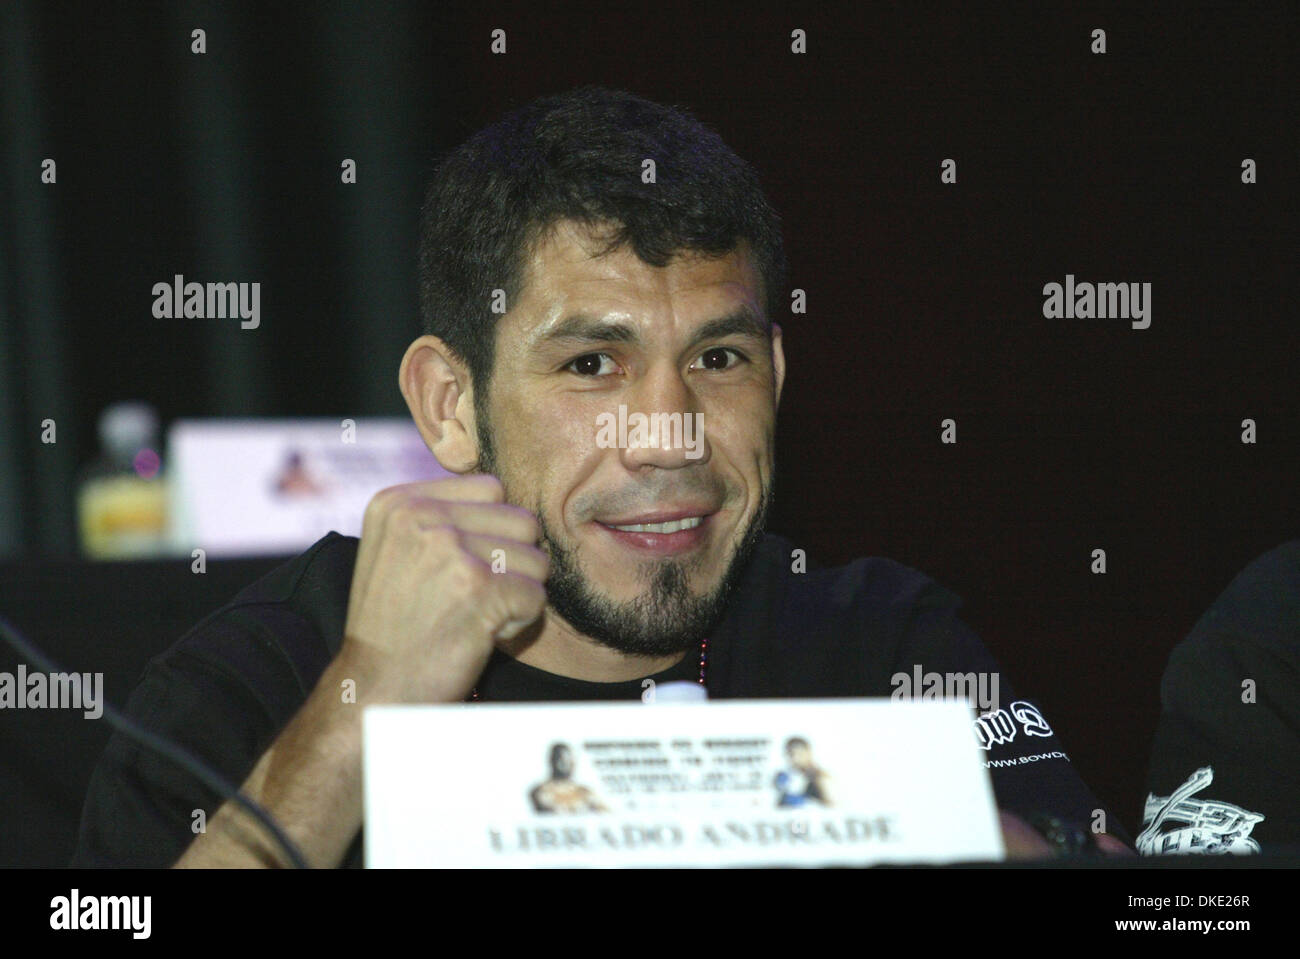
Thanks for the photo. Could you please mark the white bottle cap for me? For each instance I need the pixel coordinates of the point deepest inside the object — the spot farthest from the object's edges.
(126, 428)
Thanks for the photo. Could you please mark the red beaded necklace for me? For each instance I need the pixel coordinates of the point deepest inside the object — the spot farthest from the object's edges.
(704, 668)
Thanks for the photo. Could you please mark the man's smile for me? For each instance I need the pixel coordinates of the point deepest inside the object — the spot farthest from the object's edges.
(679, 532)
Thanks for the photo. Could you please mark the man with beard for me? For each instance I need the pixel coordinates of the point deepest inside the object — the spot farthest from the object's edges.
(551, 566)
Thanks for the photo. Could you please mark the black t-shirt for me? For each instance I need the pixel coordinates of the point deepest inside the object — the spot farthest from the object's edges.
(1225, 766)
(227, 688)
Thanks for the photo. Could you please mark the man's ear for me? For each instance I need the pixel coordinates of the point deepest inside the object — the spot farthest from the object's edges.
(436, 386)
(778, 360)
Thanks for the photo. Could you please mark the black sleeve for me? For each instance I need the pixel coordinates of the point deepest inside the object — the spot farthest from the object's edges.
(1224, 775)
(1028, 766)
(140, 807)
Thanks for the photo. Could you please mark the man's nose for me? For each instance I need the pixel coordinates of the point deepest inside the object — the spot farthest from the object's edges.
(672, 428)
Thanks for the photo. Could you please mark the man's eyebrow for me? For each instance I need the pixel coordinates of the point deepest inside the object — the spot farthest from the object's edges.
(741, 322)
(580, 328)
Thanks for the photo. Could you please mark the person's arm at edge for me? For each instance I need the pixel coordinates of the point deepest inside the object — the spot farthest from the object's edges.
(308, 781)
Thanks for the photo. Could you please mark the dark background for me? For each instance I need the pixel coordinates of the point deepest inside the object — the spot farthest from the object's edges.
(925, 299)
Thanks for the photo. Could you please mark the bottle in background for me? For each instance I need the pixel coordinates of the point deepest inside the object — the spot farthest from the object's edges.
(122, 499)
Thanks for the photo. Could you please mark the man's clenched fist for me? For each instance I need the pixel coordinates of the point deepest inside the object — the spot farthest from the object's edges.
(425, 606)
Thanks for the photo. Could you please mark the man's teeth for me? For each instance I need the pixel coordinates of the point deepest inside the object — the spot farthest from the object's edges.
(671, 527)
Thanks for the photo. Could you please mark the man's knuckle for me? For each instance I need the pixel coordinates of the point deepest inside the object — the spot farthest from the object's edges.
(442, 537)
(474, 577)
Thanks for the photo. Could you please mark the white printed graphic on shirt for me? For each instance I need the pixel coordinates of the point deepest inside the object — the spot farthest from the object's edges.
(1208, 827)
(999, 727)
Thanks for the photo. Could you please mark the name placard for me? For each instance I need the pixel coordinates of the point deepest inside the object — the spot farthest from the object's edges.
(248, 487)
(725, 783)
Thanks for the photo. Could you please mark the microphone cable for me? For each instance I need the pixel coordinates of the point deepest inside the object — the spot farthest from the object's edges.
(182, 757)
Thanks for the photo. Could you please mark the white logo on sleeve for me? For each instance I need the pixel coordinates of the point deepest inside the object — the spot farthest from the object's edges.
(1204, 825)
(998, 727)
(1030, 719)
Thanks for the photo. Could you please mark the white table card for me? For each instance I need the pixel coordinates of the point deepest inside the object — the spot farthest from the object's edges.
(725, 783)
(248, 487)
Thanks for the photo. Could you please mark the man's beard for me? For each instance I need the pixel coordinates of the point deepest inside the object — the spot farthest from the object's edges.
(667, 617)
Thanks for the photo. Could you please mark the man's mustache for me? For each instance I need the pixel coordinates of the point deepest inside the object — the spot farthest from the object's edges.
(710, 494)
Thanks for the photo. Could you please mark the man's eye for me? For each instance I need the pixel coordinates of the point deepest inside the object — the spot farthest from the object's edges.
(719, 358)
(591, 364)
